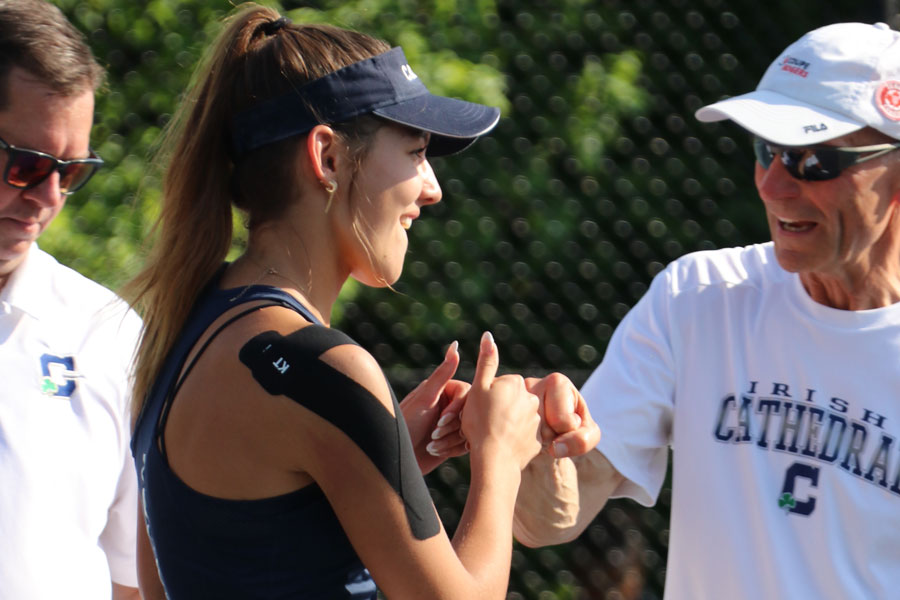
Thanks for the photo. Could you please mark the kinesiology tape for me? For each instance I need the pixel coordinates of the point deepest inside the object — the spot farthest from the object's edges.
(290, 366)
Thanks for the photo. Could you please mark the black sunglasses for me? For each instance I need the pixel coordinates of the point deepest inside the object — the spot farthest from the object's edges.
(817, 163)
(29, 168)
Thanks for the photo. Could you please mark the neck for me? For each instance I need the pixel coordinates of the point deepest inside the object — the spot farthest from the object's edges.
(7, 267)
(836, 294)
(271, 259)
(864, 287)
(866, 277)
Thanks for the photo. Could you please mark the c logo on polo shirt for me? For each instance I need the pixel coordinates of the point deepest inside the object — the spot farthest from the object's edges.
(59, 375)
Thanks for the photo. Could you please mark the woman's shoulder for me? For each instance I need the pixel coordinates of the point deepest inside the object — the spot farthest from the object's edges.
(358, 364)
(282, 350)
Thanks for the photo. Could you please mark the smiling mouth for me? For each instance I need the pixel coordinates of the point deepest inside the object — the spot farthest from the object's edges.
(406, 222)
(795, 226)
(21, 223)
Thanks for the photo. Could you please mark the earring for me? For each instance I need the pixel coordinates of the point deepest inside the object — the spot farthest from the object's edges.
(331, 188)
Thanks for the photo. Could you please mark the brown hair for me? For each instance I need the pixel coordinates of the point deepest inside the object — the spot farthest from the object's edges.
(36, 37)
(250, 61)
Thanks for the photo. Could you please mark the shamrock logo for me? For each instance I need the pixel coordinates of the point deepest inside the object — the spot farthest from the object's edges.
(48, 386)
(787, 501)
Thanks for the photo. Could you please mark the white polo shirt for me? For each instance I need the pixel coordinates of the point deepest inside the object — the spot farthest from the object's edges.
(67, 485)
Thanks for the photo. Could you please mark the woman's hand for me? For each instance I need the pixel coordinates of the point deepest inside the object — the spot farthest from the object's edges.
(567, 427)
(432, 413)
(501, 416)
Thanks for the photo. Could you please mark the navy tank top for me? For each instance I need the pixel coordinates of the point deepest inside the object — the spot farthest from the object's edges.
(288, 546)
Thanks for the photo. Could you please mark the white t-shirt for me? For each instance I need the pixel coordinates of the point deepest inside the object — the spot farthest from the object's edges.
(784, 420)
(68, 503)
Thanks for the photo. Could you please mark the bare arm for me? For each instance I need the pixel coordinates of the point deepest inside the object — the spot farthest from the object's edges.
(501, 423)
(151, 587)
(565, 487)
(559, 497)
(482, 540)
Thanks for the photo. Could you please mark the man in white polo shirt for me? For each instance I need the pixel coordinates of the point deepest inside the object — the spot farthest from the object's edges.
(67, 487)
(771, 371)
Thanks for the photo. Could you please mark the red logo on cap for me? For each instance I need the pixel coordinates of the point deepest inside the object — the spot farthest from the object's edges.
(796, 66)
(887, 98)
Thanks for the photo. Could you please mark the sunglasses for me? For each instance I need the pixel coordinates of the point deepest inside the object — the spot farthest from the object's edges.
(29, 168)
(817, 163)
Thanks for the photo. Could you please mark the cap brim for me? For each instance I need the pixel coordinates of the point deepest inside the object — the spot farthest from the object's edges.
(453, 124)
(780, 119)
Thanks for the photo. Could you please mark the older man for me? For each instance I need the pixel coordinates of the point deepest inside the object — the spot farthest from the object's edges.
(771, 371)
(67, 487)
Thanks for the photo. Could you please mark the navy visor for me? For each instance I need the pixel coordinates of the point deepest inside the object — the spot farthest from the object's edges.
(383, 85)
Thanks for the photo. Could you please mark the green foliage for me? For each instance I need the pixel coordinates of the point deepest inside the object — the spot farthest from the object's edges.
(148, 50)
(561, 110)
(444, 66)
(602, 92)
(469, 49)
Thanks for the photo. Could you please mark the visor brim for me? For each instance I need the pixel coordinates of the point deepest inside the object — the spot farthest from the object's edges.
(453, 124)
(780, 119)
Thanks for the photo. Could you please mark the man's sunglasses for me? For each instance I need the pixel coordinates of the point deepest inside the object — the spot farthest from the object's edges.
(29, 168)
(817, 163)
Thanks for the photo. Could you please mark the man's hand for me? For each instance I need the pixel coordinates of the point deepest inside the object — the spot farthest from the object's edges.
(432, 414)
(566, 427)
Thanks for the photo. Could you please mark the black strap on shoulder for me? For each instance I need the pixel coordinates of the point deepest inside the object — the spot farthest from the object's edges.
(291, 365)
(319, 339)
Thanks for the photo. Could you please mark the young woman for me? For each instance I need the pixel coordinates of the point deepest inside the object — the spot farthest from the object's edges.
(273, 458)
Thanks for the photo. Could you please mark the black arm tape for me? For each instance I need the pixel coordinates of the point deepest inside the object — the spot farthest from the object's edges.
(290, 366)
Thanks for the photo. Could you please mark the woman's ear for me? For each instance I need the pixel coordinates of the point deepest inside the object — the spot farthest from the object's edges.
(324, 153)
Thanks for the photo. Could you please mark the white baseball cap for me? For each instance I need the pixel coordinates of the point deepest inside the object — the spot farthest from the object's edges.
(833, 81)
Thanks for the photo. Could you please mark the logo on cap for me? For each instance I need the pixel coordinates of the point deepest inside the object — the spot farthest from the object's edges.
(887, 98)
(408, 73)
(795, 66)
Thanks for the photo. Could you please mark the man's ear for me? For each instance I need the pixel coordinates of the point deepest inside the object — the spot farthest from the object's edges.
(324, 152)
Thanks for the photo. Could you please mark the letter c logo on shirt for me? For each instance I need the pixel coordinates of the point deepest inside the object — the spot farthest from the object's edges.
(58, 376)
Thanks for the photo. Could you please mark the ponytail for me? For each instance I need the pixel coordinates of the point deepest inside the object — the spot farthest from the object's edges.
(257, 56)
